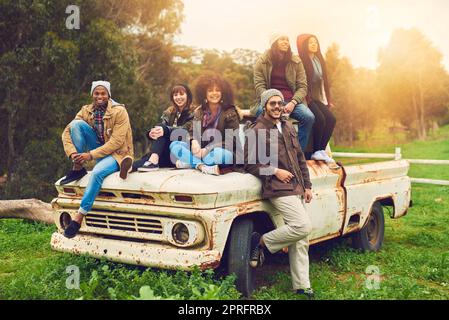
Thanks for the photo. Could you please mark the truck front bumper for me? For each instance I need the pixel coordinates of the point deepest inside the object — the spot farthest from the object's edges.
(136, 253)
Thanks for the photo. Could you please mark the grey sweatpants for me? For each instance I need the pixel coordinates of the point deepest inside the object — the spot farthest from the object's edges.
(294, 235)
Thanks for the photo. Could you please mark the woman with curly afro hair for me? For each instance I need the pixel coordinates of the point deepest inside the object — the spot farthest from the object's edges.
(208, 150)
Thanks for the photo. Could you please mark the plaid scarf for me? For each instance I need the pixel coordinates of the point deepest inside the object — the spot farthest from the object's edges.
(99, 111)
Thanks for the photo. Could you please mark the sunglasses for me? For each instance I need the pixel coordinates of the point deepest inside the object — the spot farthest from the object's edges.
(274, 103)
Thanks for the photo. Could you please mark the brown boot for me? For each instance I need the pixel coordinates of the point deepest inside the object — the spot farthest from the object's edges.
(125, 167)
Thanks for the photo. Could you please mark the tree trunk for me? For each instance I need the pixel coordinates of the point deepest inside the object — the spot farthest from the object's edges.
(11, 148)
(422, 114)
(29, 209)
(417, 116)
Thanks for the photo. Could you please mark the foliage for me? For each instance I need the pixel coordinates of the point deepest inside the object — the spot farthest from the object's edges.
(236, 67)
(47, 70)
(29, 269)
(414, 80)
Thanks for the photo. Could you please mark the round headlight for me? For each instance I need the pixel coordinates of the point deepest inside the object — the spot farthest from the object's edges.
(180, 233)
(65, 220)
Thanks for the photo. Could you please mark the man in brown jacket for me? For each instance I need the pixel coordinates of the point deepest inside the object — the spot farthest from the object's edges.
(286, 184)
(101, 131)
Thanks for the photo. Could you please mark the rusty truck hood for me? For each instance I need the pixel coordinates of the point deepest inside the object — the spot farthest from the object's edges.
(192, 189)
(171, 187)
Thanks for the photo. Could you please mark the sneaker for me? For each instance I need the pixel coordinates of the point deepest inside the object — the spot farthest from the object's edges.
(329, 161)
(125, 167)
(257, 257)
(308, 293)
(318, 156)
(182, 165)
(326, 156)
(148, 166)
(212, 170)
(73, 175)
(72, 229)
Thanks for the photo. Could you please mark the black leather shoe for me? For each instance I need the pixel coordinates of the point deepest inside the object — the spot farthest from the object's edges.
(148, 167)
(73, 175)
(72, 229)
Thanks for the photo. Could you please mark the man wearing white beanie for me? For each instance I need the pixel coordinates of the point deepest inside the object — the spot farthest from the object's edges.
(101, 131)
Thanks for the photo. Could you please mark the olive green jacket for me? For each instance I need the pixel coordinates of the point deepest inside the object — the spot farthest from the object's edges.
(294, 74)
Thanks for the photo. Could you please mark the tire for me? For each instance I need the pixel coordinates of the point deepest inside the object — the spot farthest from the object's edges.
(371, 236)
(238, 254)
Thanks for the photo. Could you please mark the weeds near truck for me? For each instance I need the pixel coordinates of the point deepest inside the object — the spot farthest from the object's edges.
(414, 264)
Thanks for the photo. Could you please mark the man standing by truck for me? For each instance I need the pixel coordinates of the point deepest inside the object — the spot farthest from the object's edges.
(287, 186)
(101, 131)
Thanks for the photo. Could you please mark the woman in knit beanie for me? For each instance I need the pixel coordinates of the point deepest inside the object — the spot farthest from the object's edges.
(279, 69)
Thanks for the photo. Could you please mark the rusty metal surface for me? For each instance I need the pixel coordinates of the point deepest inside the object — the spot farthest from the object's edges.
(136, 226)
(160, 187)
(379, 171)
(216, 202)
(143, 254)
(327, 209)
(368, 183)
(163, 185)
(206, 220)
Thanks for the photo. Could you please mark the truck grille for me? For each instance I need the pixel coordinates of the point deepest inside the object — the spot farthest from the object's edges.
(124, 222)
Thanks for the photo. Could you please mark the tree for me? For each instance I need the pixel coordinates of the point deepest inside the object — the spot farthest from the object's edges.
(46, 70)
(236, 67)
(413, 80)
(341, 75)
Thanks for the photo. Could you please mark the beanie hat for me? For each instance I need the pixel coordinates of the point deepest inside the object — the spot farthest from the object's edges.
(105, 84)
(276, 36)
(268, 94)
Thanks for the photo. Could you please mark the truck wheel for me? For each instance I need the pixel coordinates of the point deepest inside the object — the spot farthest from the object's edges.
(371, 236)
(239, 247)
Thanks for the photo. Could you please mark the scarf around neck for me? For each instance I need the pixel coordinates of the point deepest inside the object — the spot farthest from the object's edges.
(210, 121)
(99, 111)
(317, 69)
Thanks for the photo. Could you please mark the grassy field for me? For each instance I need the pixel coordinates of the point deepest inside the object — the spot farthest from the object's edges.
(413, 264)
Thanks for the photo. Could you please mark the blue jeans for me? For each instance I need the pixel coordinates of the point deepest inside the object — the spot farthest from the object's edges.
(305, 117)
(85, 139)
(217, 156)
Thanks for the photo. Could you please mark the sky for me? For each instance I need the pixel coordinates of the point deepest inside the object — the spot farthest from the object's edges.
(359, 27)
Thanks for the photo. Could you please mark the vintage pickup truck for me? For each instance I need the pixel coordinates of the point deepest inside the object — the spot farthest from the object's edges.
(178, 219)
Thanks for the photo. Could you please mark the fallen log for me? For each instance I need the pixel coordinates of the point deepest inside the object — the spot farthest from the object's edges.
(29, 209)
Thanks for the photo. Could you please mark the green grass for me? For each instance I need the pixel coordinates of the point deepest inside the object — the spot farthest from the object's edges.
(435, 148)
(413, 263)
(29, 269)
